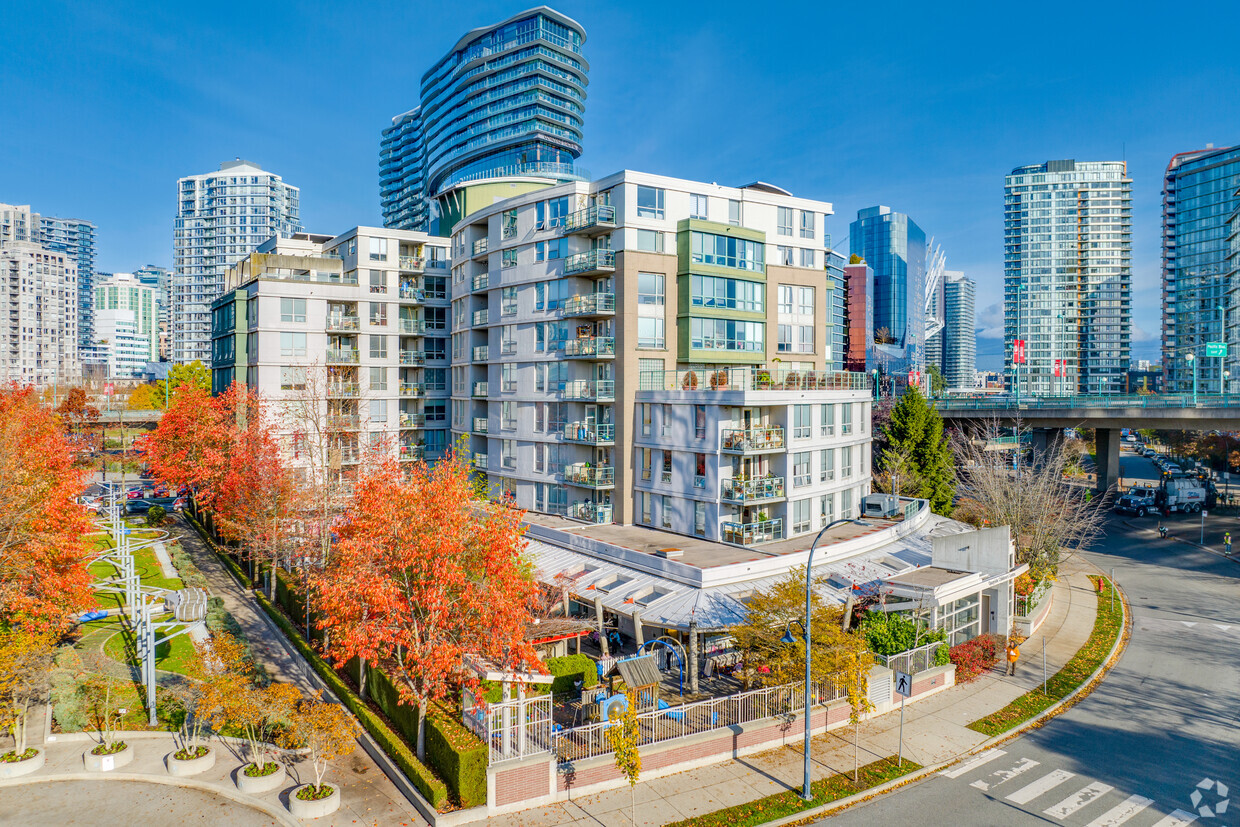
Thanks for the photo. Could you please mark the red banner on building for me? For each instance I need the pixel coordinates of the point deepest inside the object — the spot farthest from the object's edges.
(1057, 367)
(1018, 351)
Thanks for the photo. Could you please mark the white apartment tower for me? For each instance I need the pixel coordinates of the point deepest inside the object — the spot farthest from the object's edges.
(221, 218)
(41, 293)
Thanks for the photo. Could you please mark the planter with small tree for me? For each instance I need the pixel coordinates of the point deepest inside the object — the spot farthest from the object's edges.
(327, 732)
(99, 690)
(199, 699)
(25, 664)
(259, 712)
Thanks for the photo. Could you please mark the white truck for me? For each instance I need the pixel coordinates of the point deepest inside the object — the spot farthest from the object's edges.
(1139, 500)
(1184, 494)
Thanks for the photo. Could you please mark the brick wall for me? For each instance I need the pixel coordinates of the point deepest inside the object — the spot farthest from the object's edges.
(522, 782)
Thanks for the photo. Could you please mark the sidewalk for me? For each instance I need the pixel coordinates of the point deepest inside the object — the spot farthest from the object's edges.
(935, 730)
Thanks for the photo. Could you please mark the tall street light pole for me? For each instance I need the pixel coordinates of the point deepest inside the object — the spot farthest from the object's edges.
(1191, 358)
(806, 793)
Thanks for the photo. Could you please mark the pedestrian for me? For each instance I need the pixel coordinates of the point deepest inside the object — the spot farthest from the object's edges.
(1227, 543)
(1013, 654)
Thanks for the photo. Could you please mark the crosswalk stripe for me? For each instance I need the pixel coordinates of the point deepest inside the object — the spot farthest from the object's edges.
(973, 763)
(1120, 813)
(1006, 775)
(1078, 800)
(1044, 784)
(1179, 818)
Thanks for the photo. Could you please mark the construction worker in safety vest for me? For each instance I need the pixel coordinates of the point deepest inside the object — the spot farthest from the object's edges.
(1227, 543)
(1013, 655)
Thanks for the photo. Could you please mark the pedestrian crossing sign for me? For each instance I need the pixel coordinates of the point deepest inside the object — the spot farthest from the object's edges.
(904, 684)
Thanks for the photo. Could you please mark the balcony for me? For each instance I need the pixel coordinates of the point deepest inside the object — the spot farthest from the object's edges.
(750, 534)
(590, 347)
(344, 422)
(342, 322)
(412, 390)
(591, 262)
(339, 356)
(413, 357)
(343, 390)
(481, 352)
(585, 475)
(480, 424)
(590, 512)
(410, 292)
(591, 304)
(480, 317)
(603, 390)
(753, 441)
(591, 221)
(411, 420)
(480, 390)
(764, 489)
(480, 462)
(590, 433)
(481, 281)
(415, 264)
(480, 247)
(412, 327)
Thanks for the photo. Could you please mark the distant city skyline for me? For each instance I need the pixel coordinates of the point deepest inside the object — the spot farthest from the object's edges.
(935, 153)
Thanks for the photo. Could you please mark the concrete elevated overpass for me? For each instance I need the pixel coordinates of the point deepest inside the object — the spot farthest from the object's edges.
(1107, 415)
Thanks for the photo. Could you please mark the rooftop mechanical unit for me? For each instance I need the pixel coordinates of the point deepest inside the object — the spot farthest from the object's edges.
(880, 505)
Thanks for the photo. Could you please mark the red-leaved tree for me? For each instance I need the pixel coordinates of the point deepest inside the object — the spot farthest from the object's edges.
(43, 552)
(424, 573)
(190, 434)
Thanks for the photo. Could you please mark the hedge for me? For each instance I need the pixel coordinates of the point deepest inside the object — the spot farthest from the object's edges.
(569, 669)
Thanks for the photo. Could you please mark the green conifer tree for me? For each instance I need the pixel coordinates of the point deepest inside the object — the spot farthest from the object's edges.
(915, 430)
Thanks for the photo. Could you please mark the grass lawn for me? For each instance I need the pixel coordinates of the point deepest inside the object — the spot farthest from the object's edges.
(170, 656)
(1108, 625)
(790, 803)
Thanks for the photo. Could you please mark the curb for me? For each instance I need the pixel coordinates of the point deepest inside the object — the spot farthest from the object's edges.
(280, 815)
(1235, 558)
(1087, 686)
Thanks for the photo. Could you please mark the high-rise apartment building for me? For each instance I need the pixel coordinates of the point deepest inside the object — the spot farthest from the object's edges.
(506, 102)
(1232, 372)
(355, 324)
(1199, 193)
(127, 324)
(959, 333)
(40, 340)
(895, 248)
(1068, 277)
(160, 279)
(650, 350)
(221, 218)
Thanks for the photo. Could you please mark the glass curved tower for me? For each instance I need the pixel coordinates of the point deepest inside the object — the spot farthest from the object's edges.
(507, 100)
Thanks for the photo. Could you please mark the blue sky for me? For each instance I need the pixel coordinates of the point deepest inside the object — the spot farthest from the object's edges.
(920, 106)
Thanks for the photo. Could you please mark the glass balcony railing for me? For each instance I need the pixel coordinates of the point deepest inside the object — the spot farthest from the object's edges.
(414, 327)
(413, 263)
(591, 304)
(749, 534)
(412, 453)
(343, 422)
(590, 512)
(480, 317)
(590, 433)
(412, 420)
(343, 390)
(480, 389)
(481, 352)
(341, 322)
(342, 356)
(413, 357)
(585, 389)
(480, 461)
(591, 261)
(598, 218)
(481, 281)
(590, 347)
(412, 390)
(590, 476)
(411, 292)
(745, 491)
(480, 246)
(752, 440)
(480, 424)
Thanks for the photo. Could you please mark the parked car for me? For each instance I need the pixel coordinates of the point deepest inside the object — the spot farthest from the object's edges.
(141, 506)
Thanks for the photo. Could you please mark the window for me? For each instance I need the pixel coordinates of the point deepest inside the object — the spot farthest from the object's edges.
(801, 516)
(540, 295)
(828, 420)
(508, 339)
(508, 301)
(801, 428)
(667, 467)
(807, 224)
(649, 202)
(508, 416)
(784, 344)
(644, 455)
(508, 223)
(557, 209)
(540, 417)
(646, 498)
(292, 310)
(734, 212)
(846, 467)
(727, 251)
(509, 257)
(378, 411)
(378, 379)
(551, 250)
(540, 337)
(508, 453)
(650, 241)
(378, 347)
(540, 377)
(827, 506)
(804, 339)
(725, 334)
(697, 206)
(646, 408)
(650, 288)
(699, 470)
(783, 255)
(785, 299)
(292, 379)
(378, 281)
(807, 257)
(846, 503)
(378, 249)
(540, 458)
(540, 215)
(699, 519)
(805, 301)
(784, 221)
(650, 332)
(727, 293)
(801, 474)
(665, 511)
(292, 344)
(508, 377)
(378, 313)
(699, 421)
(826, 465)
(846, 418)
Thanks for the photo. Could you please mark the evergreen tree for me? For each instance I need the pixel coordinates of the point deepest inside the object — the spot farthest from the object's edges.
(915, 430)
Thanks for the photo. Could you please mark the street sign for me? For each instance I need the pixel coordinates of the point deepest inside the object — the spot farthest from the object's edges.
(1018, 351)
(1216, 350)
(904, 684)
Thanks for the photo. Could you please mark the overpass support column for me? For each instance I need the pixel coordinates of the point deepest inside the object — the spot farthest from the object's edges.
(1043, 441)
(1106, 457)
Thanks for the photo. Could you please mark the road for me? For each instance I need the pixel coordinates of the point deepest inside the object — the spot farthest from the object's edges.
(1166, 719)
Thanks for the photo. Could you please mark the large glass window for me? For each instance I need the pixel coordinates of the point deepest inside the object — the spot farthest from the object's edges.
(292, 310)
(292, 344)
(734, 212)
(805, 301)
(509, 223)
(649, 202)
(650, 288)
(378, 249)
(807, 224)
(727, 251)
(802, 418)
(801, 510)
(784, 223)
(697, 206)
(650, 332)
(801, 474)
(650, 241)
(731, 294)
(726, 334)
(292, 378)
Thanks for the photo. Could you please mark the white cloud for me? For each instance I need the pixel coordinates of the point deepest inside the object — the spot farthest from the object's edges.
(990, 321)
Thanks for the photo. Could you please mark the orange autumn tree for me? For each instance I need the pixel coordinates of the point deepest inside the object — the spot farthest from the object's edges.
(180, 449)
(43, 552)
(424, 573)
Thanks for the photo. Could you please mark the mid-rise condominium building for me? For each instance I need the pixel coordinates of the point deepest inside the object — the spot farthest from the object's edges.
(221, 218)
(126, 324)
(959, 333)
(1067, 293)
(506, 102)
(161, 280)
(40, 339)
(895, 248)
(1199, 193)
(649, 350)
(355, 324)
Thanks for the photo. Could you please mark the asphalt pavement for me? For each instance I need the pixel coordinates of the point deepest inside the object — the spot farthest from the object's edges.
(1152, 743)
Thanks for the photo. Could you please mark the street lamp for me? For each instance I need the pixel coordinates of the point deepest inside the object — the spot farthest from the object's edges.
(1226, 385)
(1192, 361)
(806, 793)
(1222, 337)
